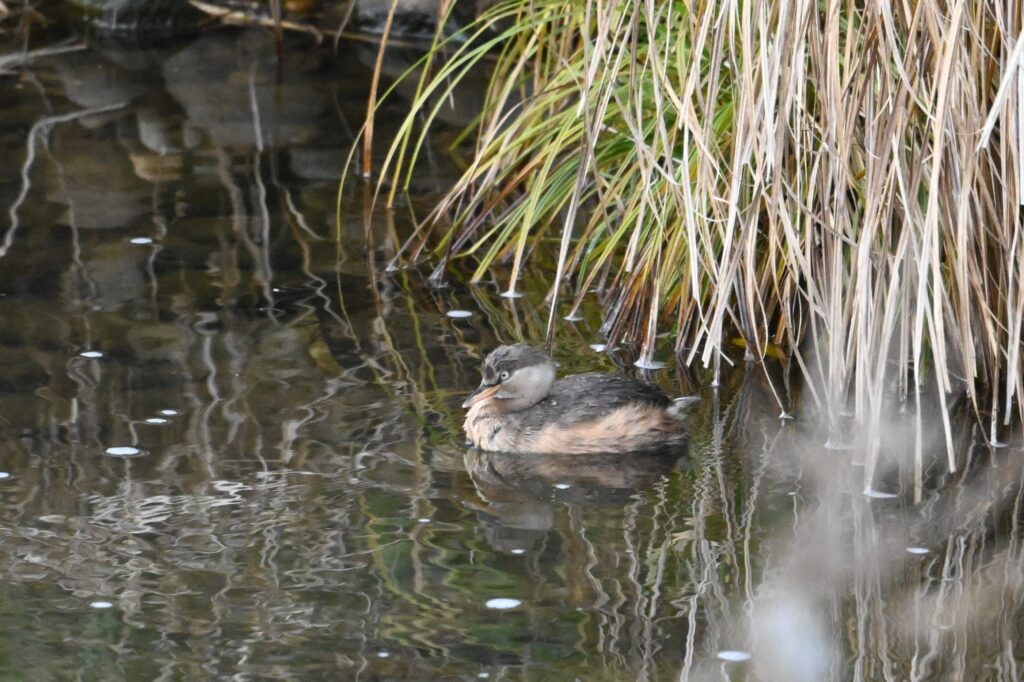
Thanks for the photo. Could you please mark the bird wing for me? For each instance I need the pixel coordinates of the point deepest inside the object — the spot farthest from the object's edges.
(583, 397)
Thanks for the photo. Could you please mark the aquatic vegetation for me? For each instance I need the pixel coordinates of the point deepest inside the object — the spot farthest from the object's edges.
(836, 183)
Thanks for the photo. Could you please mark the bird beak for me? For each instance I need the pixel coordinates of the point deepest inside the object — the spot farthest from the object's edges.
(483, 392)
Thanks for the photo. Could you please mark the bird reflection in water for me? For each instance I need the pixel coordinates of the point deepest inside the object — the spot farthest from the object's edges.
(518, 492)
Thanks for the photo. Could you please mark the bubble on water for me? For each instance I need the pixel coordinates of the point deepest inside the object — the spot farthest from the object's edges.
(460, 314)
(157, 420)
(563, 486)
(733, 655)
(169, 413)
(123, 451)
(91, 354)
(502, 603)
(879, 495)
(918, 550)
(141, 240)
(101, 604)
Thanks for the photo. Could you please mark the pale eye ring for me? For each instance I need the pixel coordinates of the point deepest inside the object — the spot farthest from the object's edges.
(503, 376)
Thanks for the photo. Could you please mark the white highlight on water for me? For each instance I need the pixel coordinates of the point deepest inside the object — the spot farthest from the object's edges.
(91, 354)
(563, 486)
(518, 550)
(502, 603)
(4, 474)
(649, 364)
(157, 420)
(141, 241)
(169, 413)
(459, 314)
(917, 550)
(123, 451)
(879, 495)
(101, 604)
(599, 347)
(733, 656)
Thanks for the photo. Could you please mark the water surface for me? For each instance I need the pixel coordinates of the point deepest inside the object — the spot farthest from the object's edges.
(230, 438)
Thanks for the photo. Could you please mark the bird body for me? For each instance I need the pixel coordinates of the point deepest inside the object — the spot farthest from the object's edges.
(520, 407)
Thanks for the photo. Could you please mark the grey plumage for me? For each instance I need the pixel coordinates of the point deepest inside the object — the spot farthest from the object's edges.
(583, 397)
(521, 407)
(509, 359)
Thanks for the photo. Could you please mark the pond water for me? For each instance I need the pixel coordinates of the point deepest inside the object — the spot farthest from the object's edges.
(230, 438)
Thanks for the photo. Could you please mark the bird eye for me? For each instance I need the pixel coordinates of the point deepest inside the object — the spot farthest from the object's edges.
(503, 376)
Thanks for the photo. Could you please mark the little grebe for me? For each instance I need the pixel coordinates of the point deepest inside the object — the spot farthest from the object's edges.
(520, 407)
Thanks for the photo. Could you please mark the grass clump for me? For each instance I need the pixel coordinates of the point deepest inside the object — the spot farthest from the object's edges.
(839, 180)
